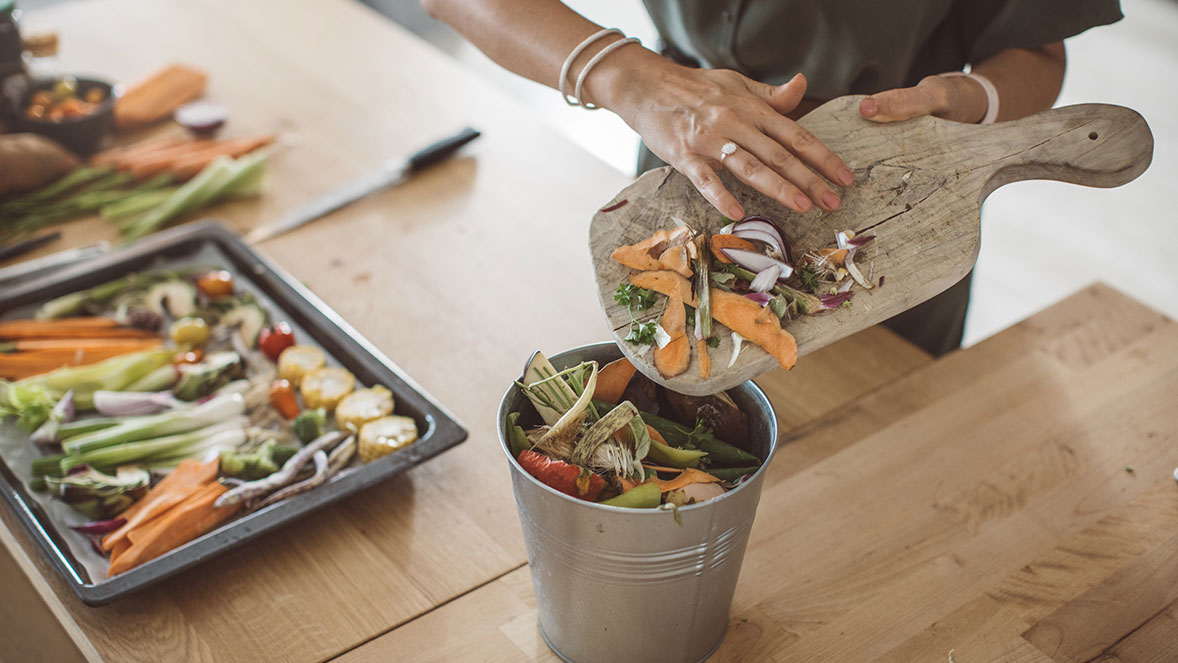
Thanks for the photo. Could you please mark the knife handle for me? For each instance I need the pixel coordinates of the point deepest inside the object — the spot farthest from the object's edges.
(441, 150)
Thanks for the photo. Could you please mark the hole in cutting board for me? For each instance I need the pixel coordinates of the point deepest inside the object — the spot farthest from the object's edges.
(1092, 135)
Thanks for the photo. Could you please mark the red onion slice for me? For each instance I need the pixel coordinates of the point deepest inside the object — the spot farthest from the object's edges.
(761, 298)
(762, 236)
(762, 224)
(757, 262)
(202, 117)
(100, 526)
(766, 279)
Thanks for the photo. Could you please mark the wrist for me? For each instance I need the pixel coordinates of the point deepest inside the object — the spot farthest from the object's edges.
(968, 100)
(618, 81)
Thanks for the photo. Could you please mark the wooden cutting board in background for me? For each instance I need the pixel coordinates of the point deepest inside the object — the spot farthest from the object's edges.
(919, 186)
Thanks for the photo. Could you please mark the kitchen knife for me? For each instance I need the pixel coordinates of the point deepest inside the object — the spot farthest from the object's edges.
(389, 174)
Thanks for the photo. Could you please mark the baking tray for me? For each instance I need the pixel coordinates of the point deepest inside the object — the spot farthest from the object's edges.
(208, 242)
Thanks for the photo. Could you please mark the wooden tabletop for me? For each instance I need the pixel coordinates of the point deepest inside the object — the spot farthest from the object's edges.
(978, 503)
(1013, 502)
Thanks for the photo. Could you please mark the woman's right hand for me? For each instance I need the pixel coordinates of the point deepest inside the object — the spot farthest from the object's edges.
(685, 116)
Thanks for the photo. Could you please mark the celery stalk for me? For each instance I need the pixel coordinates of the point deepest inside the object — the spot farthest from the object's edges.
(191, 195)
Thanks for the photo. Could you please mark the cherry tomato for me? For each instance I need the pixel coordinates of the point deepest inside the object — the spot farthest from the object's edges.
(192, 357)
(282, 397)
(276, 339)
(216, 284)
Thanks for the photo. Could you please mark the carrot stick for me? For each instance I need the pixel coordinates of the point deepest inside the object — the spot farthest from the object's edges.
(114, 155)
(184, 522)
(62, 322)
(17, 365)
(128, 344)
(183, 481)
(67, 328)
(192, 164)
(158, 161)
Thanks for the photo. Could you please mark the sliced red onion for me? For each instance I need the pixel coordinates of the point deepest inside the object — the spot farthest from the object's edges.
(736, 340)
(63, 412)
(761, 298)
(762, 224)
(846, 285)
(757, 262)
(853, 270)
(859, 240)
(762, 236)
(727, 230)
(132, 403)
(699, 334)
(765, 279)
(834, 301)
(202, 117)
(100, 526)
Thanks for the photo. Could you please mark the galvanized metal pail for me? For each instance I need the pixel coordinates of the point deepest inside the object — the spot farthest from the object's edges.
(615, 584)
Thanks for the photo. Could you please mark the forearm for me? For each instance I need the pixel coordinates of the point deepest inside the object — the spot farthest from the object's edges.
(534, 37)
(1028, 81)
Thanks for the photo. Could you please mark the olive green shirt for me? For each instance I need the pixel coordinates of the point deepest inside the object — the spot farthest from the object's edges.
(862, 46)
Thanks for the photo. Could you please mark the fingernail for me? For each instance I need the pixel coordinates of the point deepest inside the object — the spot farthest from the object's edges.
(735, 213)
(868, 107)
(802, 202)
(846, 177)
(830, 201)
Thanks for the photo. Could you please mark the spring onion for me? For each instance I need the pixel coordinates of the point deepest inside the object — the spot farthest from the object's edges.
(157, 425)
(225, 435)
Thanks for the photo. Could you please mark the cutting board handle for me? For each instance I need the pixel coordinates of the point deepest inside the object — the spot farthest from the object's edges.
(1097, 145)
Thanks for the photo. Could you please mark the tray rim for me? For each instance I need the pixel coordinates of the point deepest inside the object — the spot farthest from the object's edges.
(444, 431)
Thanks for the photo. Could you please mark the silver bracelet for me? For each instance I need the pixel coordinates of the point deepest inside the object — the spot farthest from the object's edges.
(592, 63)
(991, 94)
(568, 62)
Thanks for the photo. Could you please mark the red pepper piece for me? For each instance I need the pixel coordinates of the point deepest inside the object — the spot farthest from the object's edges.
(567, 478)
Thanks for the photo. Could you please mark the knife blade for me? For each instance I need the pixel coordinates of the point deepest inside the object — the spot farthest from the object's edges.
(389, 174)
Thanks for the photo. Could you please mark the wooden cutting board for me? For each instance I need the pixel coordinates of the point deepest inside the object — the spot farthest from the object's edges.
(919, 186)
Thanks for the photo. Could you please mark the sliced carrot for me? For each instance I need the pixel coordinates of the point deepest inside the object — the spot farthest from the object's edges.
(69, 328)
(719, 242)
(114, 155)
(184, 522)
(192, 164)
(612, 380)
(685, 478)
(656, 436)
(705, 361)
(673, 358)
(158, 161)
(131, 344)
(182, 481)
(23, 364)
(676, 260)
(742, 315)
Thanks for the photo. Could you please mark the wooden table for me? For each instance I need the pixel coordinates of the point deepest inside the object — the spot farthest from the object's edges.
(978, 503)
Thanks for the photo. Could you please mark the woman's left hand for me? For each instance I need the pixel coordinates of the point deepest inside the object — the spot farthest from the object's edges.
(957, 98)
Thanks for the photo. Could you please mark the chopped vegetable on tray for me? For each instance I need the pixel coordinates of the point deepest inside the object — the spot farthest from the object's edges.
(179, 374)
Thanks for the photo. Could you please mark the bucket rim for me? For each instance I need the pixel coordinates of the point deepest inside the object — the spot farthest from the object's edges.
(757, 394)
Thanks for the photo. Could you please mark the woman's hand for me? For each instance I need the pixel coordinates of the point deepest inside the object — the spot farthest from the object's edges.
(685, 116)
(956, 98)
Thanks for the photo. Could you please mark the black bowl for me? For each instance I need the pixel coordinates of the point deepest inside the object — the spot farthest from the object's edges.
(80, 135)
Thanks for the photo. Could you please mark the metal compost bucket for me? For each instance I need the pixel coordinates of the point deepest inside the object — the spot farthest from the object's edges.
(616, 584)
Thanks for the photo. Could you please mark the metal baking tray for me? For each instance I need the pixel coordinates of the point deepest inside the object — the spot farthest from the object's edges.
(210, 243)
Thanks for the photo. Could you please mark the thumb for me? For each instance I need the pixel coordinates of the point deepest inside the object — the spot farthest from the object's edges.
(786, 97)
(901, 104)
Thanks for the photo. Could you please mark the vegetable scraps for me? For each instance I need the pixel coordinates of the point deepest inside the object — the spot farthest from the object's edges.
(201, 388)
(751, 288)
(591, 442)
